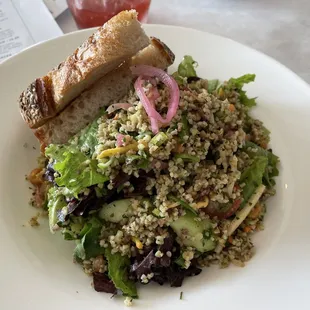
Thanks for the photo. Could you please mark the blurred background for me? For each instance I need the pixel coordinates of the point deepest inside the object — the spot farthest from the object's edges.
(279, 28)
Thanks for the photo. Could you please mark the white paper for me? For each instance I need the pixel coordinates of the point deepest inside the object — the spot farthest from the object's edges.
(56, 7)
(24, 23)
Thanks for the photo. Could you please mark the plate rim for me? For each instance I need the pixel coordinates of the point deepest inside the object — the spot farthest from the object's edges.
(266, 57)
(150, 26)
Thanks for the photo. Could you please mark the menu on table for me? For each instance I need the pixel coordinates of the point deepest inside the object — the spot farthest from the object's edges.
(24, 23)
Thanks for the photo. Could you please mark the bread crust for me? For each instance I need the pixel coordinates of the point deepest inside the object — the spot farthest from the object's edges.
(36, 102)
(113, 43)
(165, 51)
(108, 89)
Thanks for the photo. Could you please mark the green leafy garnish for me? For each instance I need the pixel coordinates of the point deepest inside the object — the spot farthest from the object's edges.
(212, 85)
(156, 212)
(183, 204)
(252, 177)
(118, 267)
(271, 170)
(89, 246)
(56, 152)
(76, 170)
(188, 158)
(68, 234)
(56, 201)
(186, 69)
(239, 82)
(185, 128)
(237, 85)
(87, 139)
(73, 230)
(180, 261)
(140, 161)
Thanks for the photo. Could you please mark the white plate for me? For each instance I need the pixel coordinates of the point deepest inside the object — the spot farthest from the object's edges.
(36, 267)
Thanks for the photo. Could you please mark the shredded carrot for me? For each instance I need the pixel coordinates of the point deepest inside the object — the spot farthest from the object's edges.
(231, 108)
(230, 239)
(256, 211)
(247, 229)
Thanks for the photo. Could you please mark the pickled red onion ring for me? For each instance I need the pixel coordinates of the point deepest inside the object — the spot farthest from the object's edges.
(148, 71)
(148, 106)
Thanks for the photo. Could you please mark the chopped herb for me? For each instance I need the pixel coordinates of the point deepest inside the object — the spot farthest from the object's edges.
(188, 158)
(185, 128)
(183, 204)
(181, 295)
(180, 261)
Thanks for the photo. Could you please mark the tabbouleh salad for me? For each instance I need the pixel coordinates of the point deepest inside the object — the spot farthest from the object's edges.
(154, 194)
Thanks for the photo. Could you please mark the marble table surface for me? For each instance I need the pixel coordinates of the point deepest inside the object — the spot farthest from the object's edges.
(278, 28)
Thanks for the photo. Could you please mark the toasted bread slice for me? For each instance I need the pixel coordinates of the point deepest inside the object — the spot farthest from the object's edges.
(113, 43)
(107, 90)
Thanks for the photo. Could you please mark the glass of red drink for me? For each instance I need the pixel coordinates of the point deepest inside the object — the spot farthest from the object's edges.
(93, 13)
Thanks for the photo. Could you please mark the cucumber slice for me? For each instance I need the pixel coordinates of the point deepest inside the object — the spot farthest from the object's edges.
(114, 212)
(197, 234)
(159, 139)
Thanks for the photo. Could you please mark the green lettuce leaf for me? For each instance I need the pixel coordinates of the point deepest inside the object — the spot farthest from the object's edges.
(187, 66)
(252, 177)
(88, 137)
(183, 204)
(76, 170)
(212, 85)
(238, 83)
(118, 266)
(186, 69)
(56, 201)
(249, 102)
(56, 152)
(139, 161)
(68, 234)
(271, 170)
(89, 246)
(180, 261)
